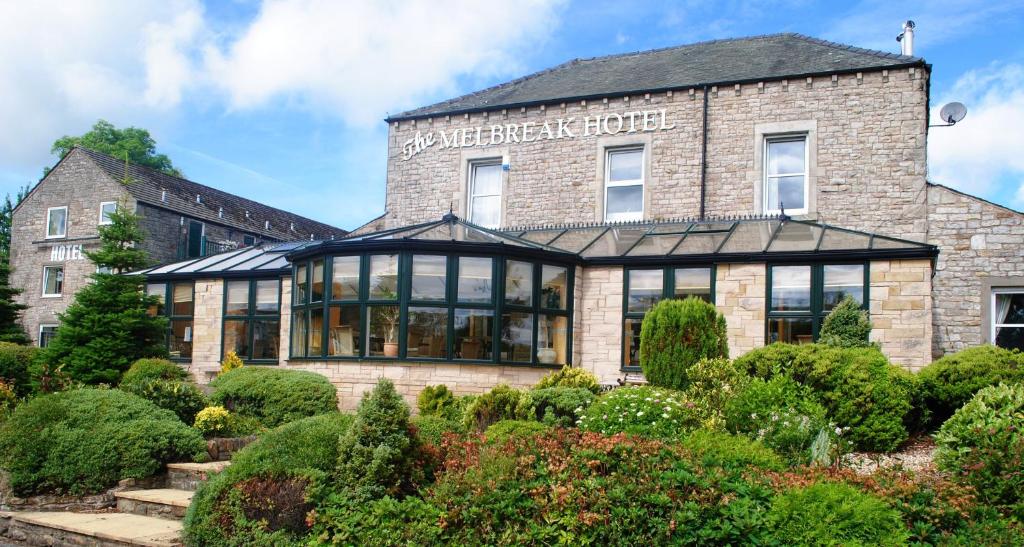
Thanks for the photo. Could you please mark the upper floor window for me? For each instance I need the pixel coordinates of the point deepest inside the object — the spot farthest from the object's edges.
(106, 209)
(624, 185)
(485, 193)
(1008, 318)
(46, 334)
(785, 175)
(53, 280)
(57, 222)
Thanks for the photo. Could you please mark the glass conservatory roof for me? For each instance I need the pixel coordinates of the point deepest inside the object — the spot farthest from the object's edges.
(267, 258)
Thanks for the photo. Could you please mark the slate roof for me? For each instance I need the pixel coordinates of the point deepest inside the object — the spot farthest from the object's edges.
(718, 62)
(149, 185)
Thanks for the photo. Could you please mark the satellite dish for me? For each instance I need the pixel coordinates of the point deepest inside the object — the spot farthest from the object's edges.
(953, 112)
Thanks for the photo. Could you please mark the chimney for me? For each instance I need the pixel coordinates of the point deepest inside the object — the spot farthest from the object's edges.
(906, 38)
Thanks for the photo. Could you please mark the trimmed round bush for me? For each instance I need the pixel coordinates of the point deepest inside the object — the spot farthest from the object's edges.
(557, 406)
(274, 396)
(85, 440)
(674, 335)
(184, 399)
(948, 383)
(858, 387)
(280, 470)
(782, 414)
(846, 326)
(718, 449)
(501, 403)
(983, 444)
(213, 421)
(438, 401)
(834, 514)
(432, 429)
(148, 369)
(713, 383)
(641, 410)
(15, 365)
(507, 430)
(569, 376)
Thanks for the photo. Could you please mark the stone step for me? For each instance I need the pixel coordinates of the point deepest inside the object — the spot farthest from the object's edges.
(159, 502)
(188, 476)
(92, 529)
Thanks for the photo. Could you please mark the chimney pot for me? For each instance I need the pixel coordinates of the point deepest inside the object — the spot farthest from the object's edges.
(906, 38)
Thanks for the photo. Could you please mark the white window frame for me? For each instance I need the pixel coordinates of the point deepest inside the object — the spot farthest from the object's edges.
(67, 221)
(641, 182)
(62, 281)
(103, 204)
(768, 208)
(992, 316)
(39, 341)
(472, 195)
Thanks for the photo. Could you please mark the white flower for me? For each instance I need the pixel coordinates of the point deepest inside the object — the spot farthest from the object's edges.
(641, 413)
(665, 416)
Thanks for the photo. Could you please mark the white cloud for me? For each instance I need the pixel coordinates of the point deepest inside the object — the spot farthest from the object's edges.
(65, 64)
(359, 59)
(983, 153)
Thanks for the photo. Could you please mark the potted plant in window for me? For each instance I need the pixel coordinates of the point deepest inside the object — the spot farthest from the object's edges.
(389, 316)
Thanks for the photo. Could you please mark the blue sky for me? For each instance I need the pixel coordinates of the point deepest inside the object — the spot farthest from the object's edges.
(283, 101)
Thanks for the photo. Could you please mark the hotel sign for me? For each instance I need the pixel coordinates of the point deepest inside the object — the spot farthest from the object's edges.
(61, 253)
(638, 121)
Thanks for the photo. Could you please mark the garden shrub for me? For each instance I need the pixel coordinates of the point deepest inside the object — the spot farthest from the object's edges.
(231, 362)
(432, 429)
(501, 403)
(675, 334)
(641, 410)
(569, 376)
(213, 421)
(718, 449)
(846, 326)
(184, 399)
(144, 370)
(557, 406)
(507, 430)
(438, 401)
(834, 514)
(983, 444)
(230, 508)
(948, 383)
(274, 396)
(858, 387)
(385, 521)
(782, 414)
(15, 367)
(85, 440)
(8, 400)
(376, 456)
(713, 382)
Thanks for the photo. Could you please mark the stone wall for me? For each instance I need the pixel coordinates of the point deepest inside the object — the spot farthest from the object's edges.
(901, 310)
(981, 246)
(80, 185)
(740, 296)
(867, 147)
(600, 336)
(206, 328)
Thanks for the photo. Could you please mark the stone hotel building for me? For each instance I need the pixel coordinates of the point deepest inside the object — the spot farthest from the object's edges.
(531, 225)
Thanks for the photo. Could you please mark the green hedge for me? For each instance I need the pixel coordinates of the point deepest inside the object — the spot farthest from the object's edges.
(858, 387)
(150, 368)
(15, 364)
(274, 396)
(675, 334)
(224, 510)
(85, 440)
(948, 383)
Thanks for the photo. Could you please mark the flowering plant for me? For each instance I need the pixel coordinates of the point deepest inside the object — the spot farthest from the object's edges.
(648, 411)
(213, 421)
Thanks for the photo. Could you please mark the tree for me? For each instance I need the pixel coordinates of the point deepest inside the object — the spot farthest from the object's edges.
(107, 327)
(6, 214)
(133, 142)
(10, 329)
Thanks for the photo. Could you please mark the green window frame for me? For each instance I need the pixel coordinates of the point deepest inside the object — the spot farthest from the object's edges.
(178, 336)
(445, 308)
(788, 318)
(259, 328)
(633, 310)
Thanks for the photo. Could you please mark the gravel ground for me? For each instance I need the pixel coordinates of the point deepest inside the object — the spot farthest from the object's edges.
(917, 454)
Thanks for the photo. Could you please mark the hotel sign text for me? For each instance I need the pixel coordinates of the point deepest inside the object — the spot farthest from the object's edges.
(638, 121)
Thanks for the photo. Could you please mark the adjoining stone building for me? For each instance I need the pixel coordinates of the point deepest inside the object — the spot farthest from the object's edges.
(58, 221)
(532, 224)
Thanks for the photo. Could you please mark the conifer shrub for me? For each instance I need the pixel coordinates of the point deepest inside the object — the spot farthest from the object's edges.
(948, 383)
(432, 429)
(501, 403)
(436, 401)
(569, 376)
(675, 335)
(231, 362)
(377, 456)
(719, 449)
(834, 514)
(153, 369)
(85, 440)
(16, 365)
(858, 387)
(846, 326)
(983, 445)
(273, 396)
(556, 406)
(508, 430)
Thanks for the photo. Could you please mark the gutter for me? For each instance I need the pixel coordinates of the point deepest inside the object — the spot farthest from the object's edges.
(704, 154)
